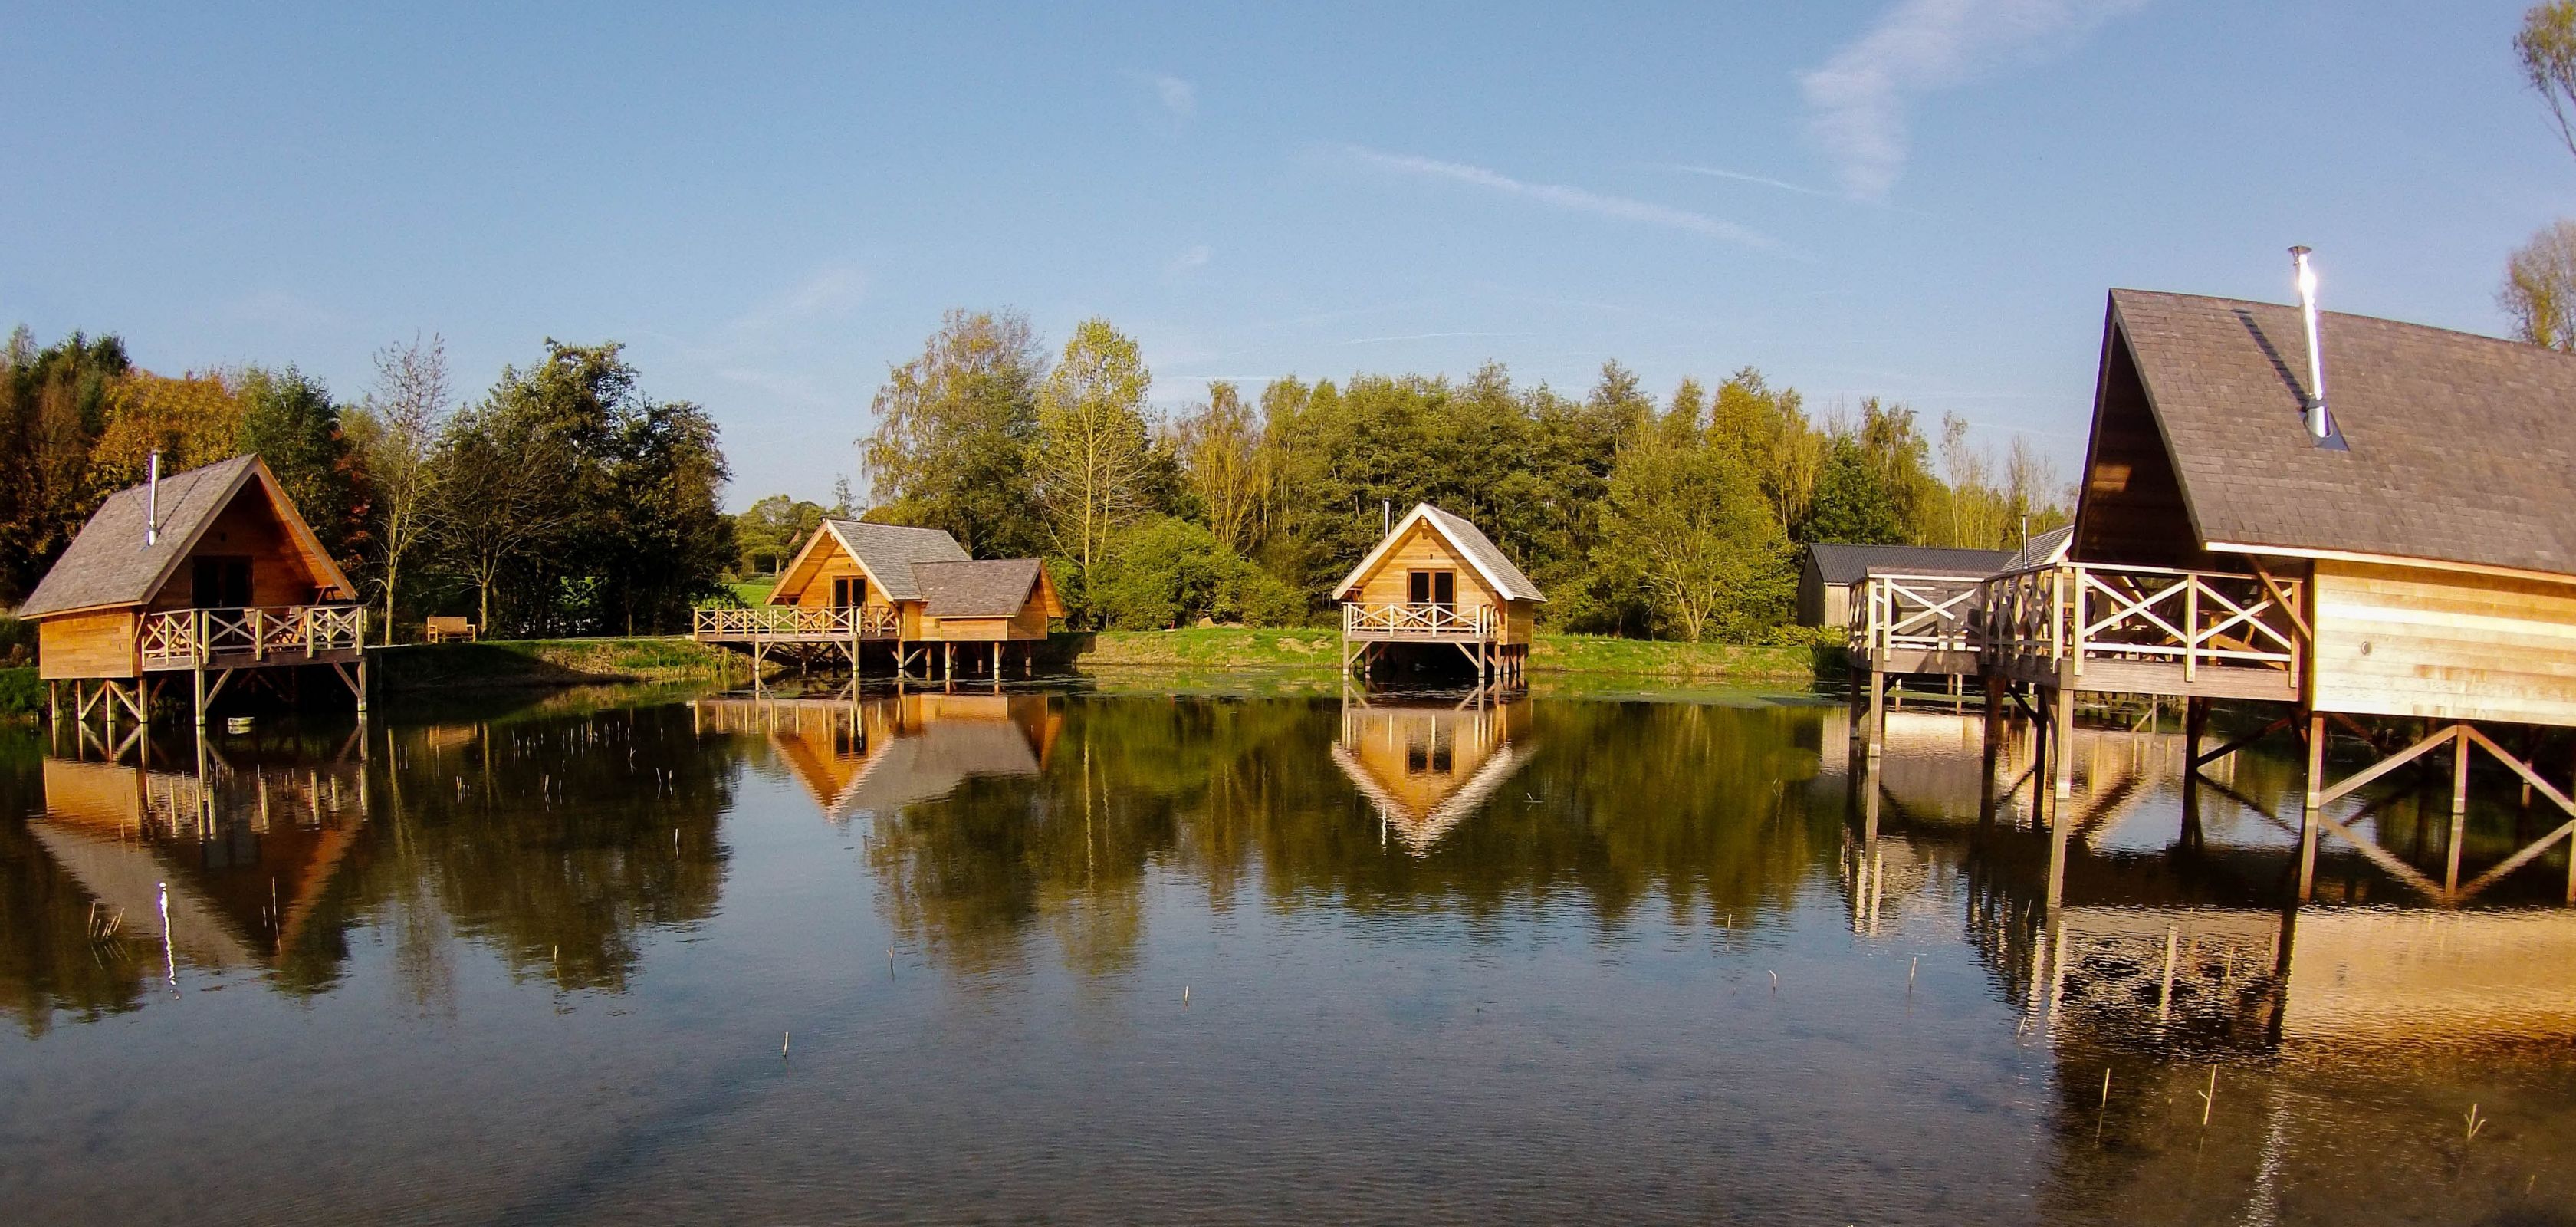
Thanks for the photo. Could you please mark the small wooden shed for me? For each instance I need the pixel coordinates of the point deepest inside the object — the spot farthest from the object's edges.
(1436, 578)
(203, 572)
(1825, 583)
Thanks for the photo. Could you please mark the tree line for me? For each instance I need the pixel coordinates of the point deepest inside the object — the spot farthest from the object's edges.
(1681, 517)
(563, 501)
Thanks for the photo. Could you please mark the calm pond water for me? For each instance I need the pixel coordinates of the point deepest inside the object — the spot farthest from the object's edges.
(1072, 956)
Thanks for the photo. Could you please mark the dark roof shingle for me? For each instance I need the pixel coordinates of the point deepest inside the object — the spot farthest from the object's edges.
(995, 588)
(109, 565)
(1850, 564)
(889, 552)
(2459, 443)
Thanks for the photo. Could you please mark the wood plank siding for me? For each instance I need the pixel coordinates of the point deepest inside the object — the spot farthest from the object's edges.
(2444, 644)
(89, 645)
(1423, 548)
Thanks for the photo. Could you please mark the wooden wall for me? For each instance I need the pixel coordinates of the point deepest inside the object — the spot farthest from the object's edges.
(1423, 549)
(249, 528)
(89, 645)
(835, 563)
(2415, 641)
(1029, 623)
(2131, 507)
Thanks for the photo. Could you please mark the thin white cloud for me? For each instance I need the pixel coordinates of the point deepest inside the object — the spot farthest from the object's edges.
(1740, 177)
(1177, 96)
(1194, 258)
(1571, 199)
(1429, 336)
(1858, 100)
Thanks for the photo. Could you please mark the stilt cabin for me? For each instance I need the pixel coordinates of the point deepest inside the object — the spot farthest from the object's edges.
(914, 590)
(1425, 768)
(202, 573)
(1437, 580)
(1826, 583)
(2381, 525)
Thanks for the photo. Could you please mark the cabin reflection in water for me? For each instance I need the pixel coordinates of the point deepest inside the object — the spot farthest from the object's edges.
(247, 847)
(1426, 766)
(872, 757)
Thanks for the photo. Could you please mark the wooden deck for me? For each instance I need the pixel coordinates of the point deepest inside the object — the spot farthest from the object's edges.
(766, 624)
(180, 640)
(1420, 623)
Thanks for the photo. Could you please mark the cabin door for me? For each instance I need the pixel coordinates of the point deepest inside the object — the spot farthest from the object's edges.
(1432, 588)
(220, 582)
(849, 590)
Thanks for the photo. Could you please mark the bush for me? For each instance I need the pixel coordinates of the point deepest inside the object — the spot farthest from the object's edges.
(21, 693)
(1169, 572)
(17, 641)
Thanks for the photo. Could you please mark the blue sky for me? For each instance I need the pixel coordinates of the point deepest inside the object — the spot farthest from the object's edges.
(1918, 199)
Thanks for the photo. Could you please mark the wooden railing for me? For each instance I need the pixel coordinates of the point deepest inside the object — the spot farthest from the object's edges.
(282, 634)
(800, 622)
(2067, 614)
(1420, 620)
(1929, 613)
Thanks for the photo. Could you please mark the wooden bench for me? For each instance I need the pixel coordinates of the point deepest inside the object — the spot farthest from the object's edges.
(440, 630)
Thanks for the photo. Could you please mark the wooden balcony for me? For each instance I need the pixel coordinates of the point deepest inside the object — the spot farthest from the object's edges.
(2146, 630)
(177, 639)
(1918, 624)
(797, 624)
(1421, 622)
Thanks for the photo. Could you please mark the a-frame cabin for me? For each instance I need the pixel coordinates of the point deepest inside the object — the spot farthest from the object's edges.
(1437, 579)
(203, 573)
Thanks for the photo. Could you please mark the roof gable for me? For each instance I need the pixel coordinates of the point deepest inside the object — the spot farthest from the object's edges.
(996, 588)
(886, 552)
(109, 564)
(2459, 448)
(1471, 543)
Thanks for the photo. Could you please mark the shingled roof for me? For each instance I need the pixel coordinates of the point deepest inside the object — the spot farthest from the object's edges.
(2047, 547)
(994, 588)
(2460, 446)
(108, 565)
(1471, 543)
(889, 552)
(1850, 564)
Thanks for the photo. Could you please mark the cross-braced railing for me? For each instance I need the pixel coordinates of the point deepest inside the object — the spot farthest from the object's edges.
(2069, 614)
(1419, 620)
(799, 622)
(1922, 613)
(184, 638)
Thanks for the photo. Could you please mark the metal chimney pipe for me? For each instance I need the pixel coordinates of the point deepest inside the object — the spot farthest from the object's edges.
(152, 502)
(2320, 420)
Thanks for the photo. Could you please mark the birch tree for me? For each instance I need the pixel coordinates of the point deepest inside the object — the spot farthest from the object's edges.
(1227, 466)
(396, 429)
(1092, 450)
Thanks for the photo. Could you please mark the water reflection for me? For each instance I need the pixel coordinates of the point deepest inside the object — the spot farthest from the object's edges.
(1550, 926)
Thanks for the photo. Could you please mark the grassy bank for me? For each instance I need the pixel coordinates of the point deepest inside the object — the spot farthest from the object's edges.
(502, 664)
(1217, 648)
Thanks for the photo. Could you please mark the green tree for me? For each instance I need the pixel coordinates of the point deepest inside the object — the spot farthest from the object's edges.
(2539, 291)
(1852, 504)
(1091, 456)
(1165, 571)
(1687, 524)
(395, 433)
(53, 407)
(954, 429)
(1226, 466)
(290, 421)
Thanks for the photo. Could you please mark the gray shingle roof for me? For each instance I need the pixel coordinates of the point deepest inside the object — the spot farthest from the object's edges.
(995, 588)
(1850, 564)
(2049, 546)
(890, 550)
(2460, 445)
(109, 565)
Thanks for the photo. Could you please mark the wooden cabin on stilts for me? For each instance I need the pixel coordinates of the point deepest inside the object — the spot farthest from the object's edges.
(2404, 553)
(1438, 582)
(208, 575)
(913, 591)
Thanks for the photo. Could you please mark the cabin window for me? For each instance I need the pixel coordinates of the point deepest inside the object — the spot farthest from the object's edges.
(220, 582)
(1432, 587)
(849, 590)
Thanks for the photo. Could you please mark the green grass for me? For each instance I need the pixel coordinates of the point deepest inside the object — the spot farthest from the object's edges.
(507, 663)
(1206, 648)
(753, 591)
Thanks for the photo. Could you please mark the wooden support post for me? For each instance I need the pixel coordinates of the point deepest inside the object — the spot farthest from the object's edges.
(2459, 809)
(2195, 721)
(1877, 709)
(2312, 813)
(362, 685)
(2060, 825)
(2061, 711)
(53, 701)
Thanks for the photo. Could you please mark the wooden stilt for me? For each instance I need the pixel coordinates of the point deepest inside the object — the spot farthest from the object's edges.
(2312, 813)
(1877, 710)
(2459, 809)
(2061, 710)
